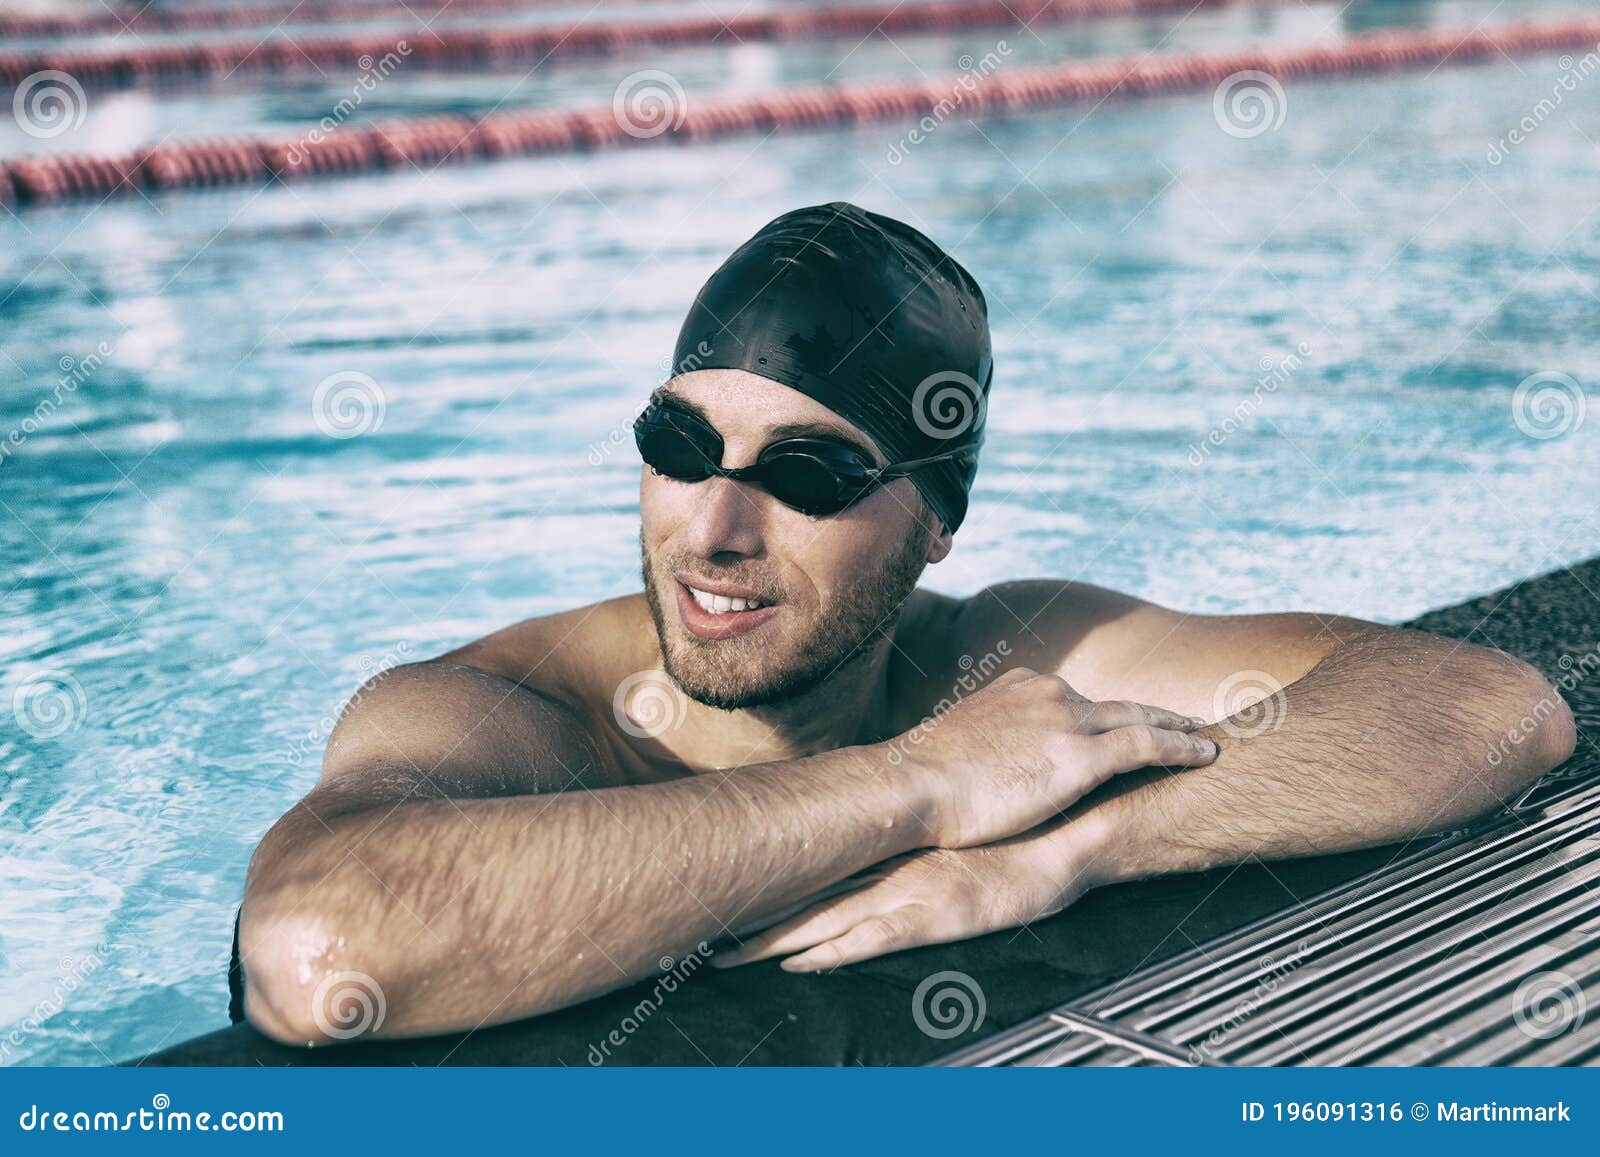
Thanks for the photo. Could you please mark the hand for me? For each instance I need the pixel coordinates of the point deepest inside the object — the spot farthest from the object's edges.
(927, 897)
(1025, 748)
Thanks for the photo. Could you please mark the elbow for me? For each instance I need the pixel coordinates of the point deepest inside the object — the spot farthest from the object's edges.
(1559, 734)
(300, 989)
(1540, 733)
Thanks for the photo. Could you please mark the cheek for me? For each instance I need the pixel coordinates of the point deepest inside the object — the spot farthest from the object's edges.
(658, 507)
(824, 564)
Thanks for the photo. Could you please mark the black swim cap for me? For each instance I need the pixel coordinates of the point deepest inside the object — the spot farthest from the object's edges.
(867, 316)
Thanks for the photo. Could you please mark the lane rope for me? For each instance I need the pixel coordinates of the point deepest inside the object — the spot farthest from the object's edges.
(419, 12)
(171, 65)
(424, 142)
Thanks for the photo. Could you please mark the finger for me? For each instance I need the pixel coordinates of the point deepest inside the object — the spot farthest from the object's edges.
(890, 932)
(748, 928)
(821, 922)
(1109, 714)
(1141, 745)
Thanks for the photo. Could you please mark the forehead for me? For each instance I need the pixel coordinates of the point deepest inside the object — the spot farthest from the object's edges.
(742, 405)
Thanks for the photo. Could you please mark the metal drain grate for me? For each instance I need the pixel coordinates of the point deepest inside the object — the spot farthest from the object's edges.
(1483, 949)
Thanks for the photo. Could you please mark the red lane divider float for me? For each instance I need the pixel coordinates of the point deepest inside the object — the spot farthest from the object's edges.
(146, 19)
(473, 47)
(419, 12)
(429, 141)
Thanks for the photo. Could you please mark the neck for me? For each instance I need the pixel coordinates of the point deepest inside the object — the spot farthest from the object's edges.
(848, 708)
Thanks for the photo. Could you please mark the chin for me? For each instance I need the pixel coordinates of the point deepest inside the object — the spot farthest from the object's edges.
(728, 674)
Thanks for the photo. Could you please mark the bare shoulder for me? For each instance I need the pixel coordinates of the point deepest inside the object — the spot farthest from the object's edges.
(508, 714)
(569, 655)
(1044, 612)
(946, 641)
(1044, 624)
(1111, 645)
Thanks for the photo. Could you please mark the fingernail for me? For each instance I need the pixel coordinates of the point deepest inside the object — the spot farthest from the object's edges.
(1194, 721)
(1207, 746)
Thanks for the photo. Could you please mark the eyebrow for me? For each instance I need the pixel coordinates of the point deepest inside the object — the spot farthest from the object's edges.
(776, 433)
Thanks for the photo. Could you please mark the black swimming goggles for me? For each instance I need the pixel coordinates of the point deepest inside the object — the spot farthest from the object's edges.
(813, 475)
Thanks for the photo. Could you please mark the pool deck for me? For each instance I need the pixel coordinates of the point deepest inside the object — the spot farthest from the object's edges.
(861, 1014)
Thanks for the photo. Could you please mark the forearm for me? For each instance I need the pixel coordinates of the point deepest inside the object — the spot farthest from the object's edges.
(1391, 735)
(476, 911)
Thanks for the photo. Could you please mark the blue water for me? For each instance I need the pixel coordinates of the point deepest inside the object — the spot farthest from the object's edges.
(205, 573)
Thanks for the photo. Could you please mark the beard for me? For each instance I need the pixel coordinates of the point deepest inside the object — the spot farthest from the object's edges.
(744, 672)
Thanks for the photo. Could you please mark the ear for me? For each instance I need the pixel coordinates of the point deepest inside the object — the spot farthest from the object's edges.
(939, 545)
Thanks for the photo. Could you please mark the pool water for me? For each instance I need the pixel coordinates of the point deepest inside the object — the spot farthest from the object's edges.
(1232, 374)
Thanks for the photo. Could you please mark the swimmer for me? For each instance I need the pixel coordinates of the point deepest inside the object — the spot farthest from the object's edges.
(786, 748)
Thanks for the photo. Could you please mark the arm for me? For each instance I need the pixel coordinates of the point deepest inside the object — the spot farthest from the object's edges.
(442, 861)
(434, 870)
(1333, 734)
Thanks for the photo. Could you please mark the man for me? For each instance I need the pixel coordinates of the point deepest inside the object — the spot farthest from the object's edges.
(783, 732)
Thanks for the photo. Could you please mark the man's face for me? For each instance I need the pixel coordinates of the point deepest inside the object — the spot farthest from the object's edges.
(828, 587)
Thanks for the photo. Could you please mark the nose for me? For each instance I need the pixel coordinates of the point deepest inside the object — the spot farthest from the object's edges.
(727, 519)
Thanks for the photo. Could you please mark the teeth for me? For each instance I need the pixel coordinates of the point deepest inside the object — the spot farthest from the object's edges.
(722, 604)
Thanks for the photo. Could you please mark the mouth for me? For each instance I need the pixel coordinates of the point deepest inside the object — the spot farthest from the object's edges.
(714, 610)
